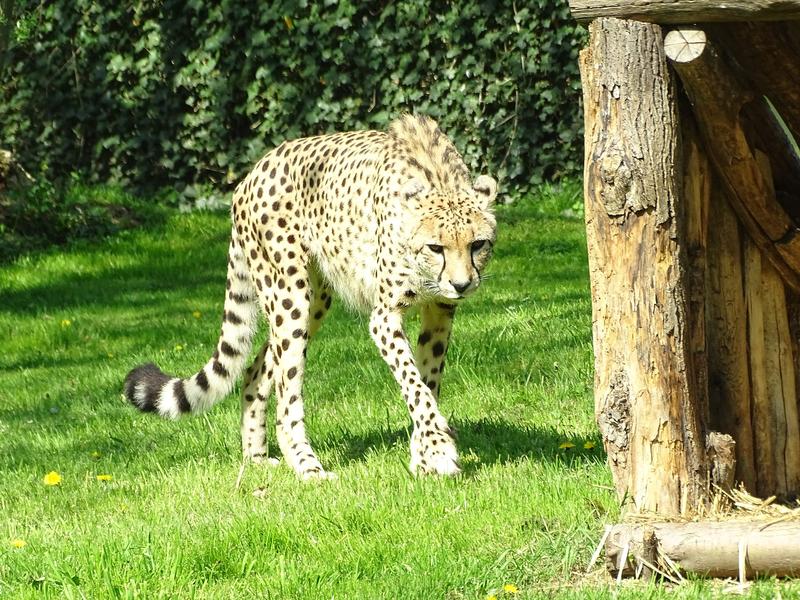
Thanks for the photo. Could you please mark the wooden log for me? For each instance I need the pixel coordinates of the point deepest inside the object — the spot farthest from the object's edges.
(769, 57)
(686, 11)
(766, 478)
(729, 387)
(793, 310)
(697, 194)
(772, 373)
(710, 548)
(782, 390)
(646, 398)
(717, 99)
(766, 136)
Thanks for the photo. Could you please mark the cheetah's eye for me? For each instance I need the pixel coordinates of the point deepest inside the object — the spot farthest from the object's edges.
(435, 248)
(478, 244)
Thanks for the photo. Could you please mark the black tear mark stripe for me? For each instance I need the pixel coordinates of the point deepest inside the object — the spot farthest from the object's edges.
(450, 309)
(444, 265)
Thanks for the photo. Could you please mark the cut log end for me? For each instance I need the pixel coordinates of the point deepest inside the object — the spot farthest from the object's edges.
(684, 45)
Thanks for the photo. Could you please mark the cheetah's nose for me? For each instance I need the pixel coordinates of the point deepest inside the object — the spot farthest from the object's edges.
(461, 286)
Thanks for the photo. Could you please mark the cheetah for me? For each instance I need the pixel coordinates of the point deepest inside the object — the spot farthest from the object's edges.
(386, 220)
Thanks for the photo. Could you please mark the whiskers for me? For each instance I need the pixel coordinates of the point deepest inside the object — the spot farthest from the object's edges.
(431, 287)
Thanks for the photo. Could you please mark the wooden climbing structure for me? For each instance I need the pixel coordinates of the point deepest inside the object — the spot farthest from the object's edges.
(692, 188)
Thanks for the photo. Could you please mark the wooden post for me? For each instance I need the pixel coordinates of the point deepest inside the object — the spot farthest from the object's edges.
(646, 397)
(729, 380)
(692, 190)
(697, 187)
(776, 420)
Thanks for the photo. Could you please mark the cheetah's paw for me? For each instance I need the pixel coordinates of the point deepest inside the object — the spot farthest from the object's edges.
(318, 475)
(269, 461)
(433, 452)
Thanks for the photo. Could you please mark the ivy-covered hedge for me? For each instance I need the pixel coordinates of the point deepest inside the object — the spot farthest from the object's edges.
(168, 93)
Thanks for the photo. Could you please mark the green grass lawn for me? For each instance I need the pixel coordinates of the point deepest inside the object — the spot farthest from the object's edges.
(171, 522)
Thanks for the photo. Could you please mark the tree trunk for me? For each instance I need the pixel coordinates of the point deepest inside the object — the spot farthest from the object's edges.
(646, 396)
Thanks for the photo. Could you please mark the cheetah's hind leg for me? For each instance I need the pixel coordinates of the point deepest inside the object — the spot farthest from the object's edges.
(259, 380)
(255, 396)
(286, 298)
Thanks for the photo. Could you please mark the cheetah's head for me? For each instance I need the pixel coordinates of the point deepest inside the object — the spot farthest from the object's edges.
(453, 238)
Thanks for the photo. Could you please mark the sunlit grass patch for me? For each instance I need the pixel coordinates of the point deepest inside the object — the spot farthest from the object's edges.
(150, 508)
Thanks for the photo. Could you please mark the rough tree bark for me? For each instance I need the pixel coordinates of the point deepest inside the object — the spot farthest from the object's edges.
(645, 390)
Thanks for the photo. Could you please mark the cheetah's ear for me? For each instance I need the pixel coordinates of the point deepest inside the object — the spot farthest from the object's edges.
(486, 188)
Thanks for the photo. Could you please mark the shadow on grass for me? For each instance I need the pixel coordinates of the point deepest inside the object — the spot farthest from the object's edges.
(493, 442)
(158, 267)
(134, 436)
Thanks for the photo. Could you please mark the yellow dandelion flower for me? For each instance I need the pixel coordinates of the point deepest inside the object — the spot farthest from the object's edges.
(197, 314)
(96, 454)
(510, 588)
(65, 323)
(588, 445)
(178, 347)
(104, 477)
(491, 597)
(52, 478)
(18, 543)
(566, 445)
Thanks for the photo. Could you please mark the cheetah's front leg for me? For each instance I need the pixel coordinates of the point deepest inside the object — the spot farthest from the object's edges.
(434, 336)
(432, 446)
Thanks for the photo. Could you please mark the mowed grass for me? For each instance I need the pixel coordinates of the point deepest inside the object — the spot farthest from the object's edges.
(171, 521)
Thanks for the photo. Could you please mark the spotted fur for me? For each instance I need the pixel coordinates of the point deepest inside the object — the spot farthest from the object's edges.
(387, 221)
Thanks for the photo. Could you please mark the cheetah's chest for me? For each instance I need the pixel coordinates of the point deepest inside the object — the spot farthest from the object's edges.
(346, 247)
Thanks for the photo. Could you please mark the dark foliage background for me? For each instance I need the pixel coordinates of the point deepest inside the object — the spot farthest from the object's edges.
(171, 93)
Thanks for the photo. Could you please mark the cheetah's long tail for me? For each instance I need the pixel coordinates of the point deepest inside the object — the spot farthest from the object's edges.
(151, 390)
